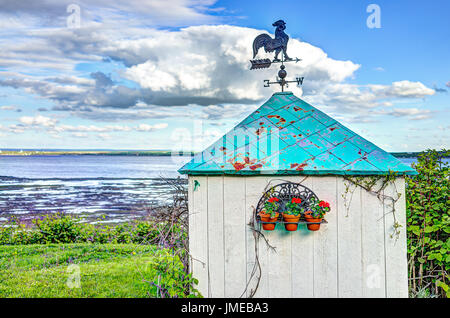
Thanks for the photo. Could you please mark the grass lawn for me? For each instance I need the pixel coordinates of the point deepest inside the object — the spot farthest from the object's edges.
(106, 270)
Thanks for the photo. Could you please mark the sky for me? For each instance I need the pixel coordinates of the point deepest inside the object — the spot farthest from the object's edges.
(174, 74)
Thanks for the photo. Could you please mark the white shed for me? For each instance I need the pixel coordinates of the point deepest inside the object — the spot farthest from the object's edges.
(295, 149)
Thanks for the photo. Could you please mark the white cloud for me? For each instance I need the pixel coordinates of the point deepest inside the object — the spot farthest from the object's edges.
(233, 111)
(399, 112)
(135, 113)
(79, 135)
(403, 89)
(17, 129)
(145, 127)
(8, 107)
(362, 103)
(154, 12)
(174, 65)
(410, 113)
(194, 72)
(90, 128)
(38, 120)
(172, 69)
(200, 65)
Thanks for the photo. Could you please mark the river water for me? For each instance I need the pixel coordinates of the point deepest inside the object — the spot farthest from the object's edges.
(98, 188)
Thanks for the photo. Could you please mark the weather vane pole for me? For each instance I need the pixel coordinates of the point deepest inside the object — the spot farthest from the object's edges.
(279, 44)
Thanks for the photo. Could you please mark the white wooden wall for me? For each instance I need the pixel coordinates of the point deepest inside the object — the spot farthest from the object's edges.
(353, 255)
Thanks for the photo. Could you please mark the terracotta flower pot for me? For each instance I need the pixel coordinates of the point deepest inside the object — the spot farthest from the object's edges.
(266, 218)
(291, 218)
(309, 218)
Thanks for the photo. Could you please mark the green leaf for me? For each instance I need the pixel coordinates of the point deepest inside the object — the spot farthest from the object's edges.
(443, 285)
(429, 229)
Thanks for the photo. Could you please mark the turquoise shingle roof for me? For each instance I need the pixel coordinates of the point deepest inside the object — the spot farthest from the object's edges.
(286, 135)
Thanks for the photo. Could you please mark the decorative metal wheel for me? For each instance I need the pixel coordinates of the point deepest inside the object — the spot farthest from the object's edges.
(285, 192)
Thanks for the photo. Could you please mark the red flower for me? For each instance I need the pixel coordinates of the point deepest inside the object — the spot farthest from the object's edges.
(324, 204)
(271, 200)
(296, 200)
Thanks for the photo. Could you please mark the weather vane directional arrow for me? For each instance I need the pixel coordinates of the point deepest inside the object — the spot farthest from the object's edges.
(266, 63)
(279, 44)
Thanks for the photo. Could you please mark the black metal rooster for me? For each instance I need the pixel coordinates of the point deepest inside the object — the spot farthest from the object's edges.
(278, 44)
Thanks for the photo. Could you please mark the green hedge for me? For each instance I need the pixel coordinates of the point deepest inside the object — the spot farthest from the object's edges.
(60, 228)
(428, 226)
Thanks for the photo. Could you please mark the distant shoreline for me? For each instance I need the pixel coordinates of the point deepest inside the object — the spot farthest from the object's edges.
(89, 152)
(133, 153)
(412, 154)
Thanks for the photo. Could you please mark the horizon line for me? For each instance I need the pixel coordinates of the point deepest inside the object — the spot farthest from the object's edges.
(161, 150)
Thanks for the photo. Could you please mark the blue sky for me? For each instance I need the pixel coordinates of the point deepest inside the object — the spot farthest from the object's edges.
(174, 74)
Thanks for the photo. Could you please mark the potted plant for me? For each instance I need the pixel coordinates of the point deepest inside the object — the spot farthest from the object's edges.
(317, 210)
(270, 213)
(292, 214)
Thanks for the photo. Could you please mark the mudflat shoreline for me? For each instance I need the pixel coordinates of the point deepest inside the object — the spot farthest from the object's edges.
(99, 200)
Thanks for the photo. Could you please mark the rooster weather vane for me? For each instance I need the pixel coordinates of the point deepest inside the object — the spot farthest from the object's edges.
(279, 45)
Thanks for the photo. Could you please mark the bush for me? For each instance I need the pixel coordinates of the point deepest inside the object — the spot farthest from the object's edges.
(6, 233)
(428, 222)
(144, 232)
(178, 283)
(60, 228)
